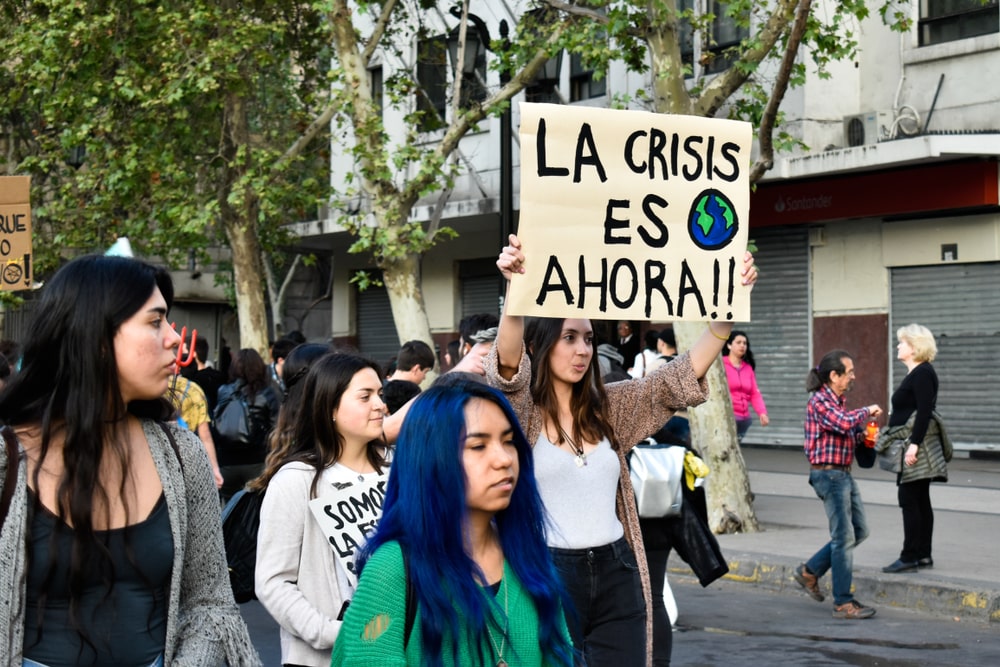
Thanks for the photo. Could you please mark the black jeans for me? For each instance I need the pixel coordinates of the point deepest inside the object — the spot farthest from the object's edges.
(609, 623)
(918, 519)
(663, 632)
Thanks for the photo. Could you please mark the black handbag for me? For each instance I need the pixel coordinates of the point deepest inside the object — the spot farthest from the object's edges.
(864, 455)
(696, 545)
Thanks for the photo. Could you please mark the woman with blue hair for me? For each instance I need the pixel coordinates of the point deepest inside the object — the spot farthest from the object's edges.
(458, 571)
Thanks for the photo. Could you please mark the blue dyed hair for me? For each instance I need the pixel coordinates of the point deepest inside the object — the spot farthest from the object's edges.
(425, 512)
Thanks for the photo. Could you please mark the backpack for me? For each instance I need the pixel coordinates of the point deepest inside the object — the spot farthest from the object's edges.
(232, 419)
(240, 522)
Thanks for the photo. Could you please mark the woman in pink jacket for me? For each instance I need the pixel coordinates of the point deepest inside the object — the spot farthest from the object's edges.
(739, 363)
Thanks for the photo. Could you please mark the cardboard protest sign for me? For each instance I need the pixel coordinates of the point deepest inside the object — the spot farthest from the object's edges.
(15, 233)
(632, 215)
(348, 515)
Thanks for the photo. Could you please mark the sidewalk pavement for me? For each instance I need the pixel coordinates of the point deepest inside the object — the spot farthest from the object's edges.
(964, 582)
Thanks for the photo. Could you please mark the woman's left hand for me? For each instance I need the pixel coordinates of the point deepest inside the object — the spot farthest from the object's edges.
(511, 258)
(750, 271)
(911, 455)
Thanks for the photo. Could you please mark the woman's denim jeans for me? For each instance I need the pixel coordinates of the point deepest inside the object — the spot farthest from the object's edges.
(848, 528)
(609, 623)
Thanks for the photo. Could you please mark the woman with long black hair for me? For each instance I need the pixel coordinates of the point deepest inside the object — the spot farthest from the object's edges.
(112, 548)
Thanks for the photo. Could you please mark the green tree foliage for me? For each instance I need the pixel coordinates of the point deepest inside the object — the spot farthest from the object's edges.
(394, 171)
(168, 123)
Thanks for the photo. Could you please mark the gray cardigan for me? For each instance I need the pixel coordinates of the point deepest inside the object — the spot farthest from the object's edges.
(204, 626)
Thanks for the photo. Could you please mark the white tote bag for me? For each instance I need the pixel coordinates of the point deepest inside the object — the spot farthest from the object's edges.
(657, 472)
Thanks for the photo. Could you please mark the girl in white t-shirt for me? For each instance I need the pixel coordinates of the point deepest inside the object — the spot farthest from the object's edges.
(302, 578)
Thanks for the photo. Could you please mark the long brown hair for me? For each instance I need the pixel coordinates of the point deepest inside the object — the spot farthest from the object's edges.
(588, 401)
(315, 440)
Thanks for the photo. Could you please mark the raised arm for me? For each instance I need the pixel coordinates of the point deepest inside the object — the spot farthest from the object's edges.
(708, 347)
(511, 332)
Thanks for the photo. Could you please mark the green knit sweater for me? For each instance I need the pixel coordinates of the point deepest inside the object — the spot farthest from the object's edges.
(380, 600)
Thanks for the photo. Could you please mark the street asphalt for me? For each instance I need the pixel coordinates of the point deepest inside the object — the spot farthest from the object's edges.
(964, 582)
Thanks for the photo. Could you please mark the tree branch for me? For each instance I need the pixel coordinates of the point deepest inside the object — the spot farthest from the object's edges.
(315, 302)
(766, 131)
(464, 121)
(638, 31)
(722, 87)
(378, 30)
(339, 14)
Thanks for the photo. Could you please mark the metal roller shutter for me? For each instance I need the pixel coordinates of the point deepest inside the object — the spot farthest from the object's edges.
(779, 332)
(377, 337)
(480, 295)
(479, 286)
(960, 304)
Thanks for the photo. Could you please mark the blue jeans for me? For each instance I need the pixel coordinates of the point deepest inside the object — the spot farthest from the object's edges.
(742, 426)
(848, 528)
(609, 623)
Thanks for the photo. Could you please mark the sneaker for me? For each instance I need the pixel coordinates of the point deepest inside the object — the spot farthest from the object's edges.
(852, 610)
(809, 581)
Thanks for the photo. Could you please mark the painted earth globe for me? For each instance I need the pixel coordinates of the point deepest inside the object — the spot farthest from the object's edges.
(712, 222)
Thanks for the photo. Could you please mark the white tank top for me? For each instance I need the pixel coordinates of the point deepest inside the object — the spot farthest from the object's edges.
(579, 501)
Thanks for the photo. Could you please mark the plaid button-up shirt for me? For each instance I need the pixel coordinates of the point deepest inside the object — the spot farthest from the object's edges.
(832, 431)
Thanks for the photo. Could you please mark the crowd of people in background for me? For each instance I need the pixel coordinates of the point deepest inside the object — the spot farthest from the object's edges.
(506, 477)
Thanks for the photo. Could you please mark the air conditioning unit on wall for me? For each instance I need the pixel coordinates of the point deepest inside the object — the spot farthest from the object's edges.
(867, 128)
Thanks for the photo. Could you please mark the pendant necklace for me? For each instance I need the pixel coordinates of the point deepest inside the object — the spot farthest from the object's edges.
(503, 638)
(581, 457)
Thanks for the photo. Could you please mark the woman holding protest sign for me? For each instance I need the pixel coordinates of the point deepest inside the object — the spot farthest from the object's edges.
(305, 571)
(581, 432)
(458, 572)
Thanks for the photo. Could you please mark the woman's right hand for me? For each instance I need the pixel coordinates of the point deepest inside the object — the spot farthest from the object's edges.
(511, 259)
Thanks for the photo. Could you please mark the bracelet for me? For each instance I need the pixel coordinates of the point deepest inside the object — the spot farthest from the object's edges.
(723, 338)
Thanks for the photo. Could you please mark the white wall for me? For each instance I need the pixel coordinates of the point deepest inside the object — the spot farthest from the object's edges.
(848, 276)
(918, 242)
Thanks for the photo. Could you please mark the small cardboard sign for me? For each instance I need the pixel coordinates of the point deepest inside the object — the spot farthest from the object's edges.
(15, 233)
(348, 515)
(632, 215)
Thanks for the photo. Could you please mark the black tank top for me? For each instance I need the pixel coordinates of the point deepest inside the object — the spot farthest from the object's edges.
(121, 613)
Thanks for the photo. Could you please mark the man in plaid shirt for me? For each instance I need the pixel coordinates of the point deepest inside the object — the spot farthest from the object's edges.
(832, 432)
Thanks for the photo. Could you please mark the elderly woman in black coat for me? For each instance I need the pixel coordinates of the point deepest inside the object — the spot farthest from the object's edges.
(927, 448)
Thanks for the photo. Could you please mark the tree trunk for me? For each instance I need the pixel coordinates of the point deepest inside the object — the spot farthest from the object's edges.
(238, 212)
(713, 427)
(250, 307)
(406, 297)
(713, 433)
